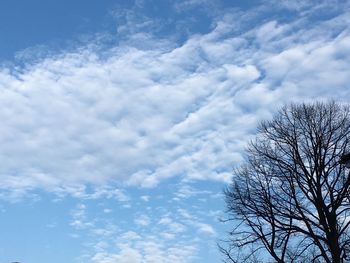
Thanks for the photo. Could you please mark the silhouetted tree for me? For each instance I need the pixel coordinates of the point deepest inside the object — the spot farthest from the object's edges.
(289, 201)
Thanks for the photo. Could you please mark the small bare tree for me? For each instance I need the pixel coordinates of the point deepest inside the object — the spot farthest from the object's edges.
(289, 201)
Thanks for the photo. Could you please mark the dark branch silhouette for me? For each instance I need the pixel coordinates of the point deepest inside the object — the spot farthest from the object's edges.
(289, 201)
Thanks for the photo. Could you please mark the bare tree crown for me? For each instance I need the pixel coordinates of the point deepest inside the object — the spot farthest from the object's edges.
(289, 201)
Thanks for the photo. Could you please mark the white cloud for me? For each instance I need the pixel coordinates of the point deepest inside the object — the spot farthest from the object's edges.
(142, 220)
(79, 219)
(210, 6)
(206, 229)
(126, 255)
(171, 226)
(155, 245)
(141, 116)
(186, 191)
(146, 252)
(145, 198)
(130, 235)
(170, 240)
(196, 222)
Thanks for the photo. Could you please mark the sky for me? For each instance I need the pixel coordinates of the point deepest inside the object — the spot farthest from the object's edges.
(122, 121)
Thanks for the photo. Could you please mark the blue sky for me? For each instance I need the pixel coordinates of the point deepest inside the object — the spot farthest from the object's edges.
(121, 121)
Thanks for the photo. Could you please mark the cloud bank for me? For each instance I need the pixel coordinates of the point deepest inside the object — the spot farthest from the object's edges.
(140, 116)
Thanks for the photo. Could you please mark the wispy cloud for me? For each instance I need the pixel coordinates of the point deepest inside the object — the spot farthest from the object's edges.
(156, 233)
(165, 241)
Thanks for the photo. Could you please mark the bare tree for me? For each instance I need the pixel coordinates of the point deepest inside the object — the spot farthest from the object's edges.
(289, 201)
